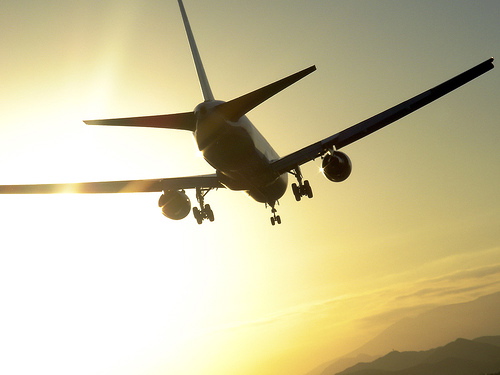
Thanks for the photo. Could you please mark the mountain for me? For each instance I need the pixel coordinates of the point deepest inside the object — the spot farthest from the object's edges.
(431, 329)
(342, 363)
(493, 340)
(439, 326)
(460, 357)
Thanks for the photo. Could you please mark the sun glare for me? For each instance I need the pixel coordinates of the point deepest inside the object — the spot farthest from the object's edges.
(121, 299)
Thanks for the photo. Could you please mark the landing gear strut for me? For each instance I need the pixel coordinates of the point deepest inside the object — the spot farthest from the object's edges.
(275, 219)
(303, 188)
(204, 212)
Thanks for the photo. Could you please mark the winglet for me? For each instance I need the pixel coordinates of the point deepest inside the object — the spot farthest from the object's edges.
(236, 108)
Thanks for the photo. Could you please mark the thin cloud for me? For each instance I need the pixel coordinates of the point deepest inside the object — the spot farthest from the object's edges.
(394, 315)
(448, 291)
(383, 306)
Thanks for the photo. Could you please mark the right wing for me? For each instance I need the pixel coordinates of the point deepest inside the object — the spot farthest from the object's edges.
(128, 186)
(368, 126)
(182, 121)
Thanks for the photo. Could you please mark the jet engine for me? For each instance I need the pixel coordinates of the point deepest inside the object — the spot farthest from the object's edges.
(175, 204)
(336, 166)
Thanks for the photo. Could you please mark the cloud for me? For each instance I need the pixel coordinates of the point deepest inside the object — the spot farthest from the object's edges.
(447, 291)
(407, 300)
(303, 311)
(385, 305)
(457, 283)
(476, 273)
(344, 322)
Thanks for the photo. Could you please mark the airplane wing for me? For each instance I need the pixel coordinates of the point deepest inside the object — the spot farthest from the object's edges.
(128, 186)
(182, 121)
(368, 126)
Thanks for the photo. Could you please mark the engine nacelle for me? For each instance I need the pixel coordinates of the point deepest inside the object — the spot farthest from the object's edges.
(336, 166)
(175, 204)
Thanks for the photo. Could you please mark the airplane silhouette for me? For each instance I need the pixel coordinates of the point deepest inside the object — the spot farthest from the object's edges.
(242, 158)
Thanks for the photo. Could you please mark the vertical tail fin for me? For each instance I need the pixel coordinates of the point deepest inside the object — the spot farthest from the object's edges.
(202, 76)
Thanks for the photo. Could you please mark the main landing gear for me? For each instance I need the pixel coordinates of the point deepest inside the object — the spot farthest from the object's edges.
(303, 188)
(300, 189)
(204, 212)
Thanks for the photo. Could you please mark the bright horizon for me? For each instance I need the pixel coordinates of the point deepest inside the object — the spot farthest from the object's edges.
(104, 284)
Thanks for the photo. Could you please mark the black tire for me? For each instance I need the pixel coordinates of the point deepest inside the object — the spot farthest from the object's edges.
(197, 215)
(308, 189)
(296, 192)
(209, 212)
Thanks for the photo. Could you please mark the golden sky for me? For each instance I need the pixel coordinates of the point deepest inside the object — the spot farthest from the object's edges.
(106, 285)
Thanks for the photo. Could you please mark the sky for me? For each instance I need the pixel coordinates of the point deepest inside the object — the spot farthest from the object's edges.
(104, 284)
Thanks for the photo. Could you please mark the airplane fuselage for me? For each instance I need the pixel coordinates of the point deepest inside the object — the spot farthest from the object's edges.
(239, 153)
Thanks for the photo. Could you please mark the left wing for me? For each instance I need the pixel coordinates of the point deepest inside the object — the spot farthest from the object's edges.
(128, 186)
(377, 122)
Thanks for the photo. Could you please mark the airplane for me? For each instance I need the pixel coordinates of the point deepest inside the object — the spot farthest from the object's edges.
(242, 158)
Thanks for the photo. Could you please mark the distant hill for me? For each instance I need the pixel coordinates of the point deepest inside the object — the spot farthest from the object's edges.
(439, 326)
(340, 364)
(460, 357)
(434, 328)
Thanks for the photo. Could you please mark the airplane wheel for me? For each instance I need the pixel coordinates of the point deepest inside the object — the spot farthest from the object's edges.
(307, 189)
(296, 192)
(278, 219)
(209, 212)
(272, 221)
(197, 215)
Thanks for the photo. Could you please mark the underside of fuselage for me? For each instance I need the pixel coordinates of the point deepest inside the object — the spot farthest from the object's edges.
(239, 153)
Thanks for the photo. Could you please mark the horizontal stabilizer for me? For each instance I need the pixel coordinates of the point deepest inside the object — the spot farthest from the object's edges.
(238, 107)
(182, 121)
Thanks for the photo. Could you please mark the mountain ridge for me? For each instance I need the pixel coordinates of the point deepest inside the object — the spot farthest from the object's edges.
(460, 357)
(474, 319)
(438, 326)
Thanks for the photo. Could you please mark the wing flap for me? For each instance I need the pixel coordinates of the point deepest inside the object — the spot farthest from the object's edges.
(126, 186)
(377, 122)
(181, 121)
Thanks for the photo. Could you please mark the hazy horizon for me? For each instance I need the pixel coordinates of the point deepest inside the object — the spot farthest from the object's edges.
(104, 284)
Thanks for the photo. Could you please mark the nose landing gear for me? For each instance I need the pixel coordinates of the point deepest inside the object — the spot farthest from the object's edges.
(275, 219)
(205, 211)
